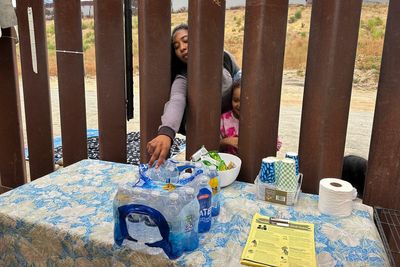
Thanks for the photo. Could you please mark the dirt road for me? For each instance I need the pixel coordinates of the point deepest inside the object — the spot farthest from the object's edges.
(360, 118)
(359, 125)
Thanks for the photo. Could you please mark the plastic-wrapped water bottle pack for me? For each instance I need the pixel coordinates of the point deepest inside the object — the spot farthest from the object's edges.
(167, 208)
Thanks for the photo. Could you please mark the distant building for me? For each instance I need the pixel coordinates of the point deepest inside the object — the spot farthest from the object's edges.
(87, 9)
(49, 11)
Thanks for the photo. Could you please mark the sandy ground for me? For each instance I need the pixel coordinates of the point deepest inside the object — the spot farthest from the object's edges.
(360, 117)
(359, 125)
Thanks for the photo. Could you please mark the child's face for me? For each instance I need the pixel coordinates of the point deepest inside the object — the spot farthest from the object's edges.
(236, 102)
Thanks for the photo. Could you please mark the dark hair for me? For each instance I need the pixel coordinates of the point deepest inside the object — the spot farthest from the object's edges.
(236, 84)
(177, 66)
(354, 171)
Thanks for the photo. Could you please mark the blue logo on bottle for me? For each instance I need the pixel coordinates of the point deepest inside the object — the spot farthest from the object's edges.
(204, 198)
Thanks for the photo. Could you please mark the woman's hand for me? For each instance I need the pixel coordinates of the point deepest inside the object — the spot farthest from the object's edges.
(158, 148)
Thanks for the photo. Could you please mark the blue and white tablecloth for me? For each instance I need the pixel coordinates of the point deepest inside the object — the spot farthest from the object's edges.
(66, 219)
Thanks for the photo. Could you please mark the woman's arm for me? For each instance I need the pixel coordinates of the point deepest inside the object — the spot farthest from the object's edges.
(174, 108)
(171, 119)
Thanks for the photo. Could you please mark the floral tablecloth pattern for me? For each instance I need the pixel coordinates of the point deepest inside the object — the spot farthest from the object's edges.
(66, 219)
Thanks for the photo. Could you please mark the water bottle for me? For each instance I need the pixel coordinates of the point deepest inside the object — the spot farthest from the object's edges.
(151, 230)
(190, 219)
(135, 221)
(216, 188)
(142, 227)
(176, 236)
(170, 172)
(204, 198)
(155, 199)
(198, 165)
(166, 173)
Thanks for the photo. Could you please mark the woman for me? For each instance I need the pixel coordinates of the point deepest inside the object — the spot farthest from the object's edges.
(173, 119)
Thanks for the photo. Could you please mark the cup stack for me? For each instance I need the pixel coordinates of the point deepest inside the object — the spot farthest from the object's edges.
(287, 175)
(282, 174)
(269, 169)
(295, 157)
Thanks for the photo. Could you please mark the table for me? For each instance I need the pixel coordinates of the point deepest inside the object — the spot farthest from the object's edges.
(65, 219)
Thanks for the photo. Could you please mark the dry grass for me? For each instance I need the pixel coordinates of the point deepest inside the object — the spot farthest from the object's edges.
(373, 19)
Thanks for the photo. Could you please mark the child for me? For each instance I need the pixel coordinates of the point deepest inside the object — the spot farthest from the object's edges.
(229, 127)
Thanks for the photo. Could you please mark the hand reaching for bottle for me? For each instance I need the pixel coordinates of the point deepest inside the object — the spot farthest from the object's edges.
(158, 149)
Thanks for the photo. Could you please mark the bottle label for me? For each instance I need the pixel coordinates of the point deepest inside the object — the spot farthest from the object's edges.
(204, 213)
(204, 198)
(214, 185)
(188, 223)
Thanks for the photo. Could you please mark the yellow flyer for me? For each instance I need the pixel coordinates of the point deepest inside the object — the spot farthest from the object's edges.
(277, 242)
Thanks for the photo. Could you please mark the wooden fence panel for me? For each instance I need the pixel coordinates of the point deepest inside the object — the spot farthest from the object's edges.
(329, 75)
(12, 160)
(36, 87)
(263, 54)
(382, 185)
(155, 70)
(206, 42)
(110, 76)
(71, 83)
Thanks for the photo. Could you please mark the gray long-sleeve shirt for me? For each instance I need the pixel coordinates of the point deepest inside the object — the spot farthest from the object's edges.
(175, 107)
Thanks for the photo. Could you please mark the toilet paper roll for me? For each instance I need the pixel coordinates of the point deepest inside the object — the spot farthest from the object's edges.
(336, 197)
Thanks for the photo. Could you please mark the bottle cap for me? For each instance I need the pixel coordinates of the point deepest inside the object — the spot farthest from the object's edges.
(204, 179)
(213, 168)
(185, 175)
(137, 190)
(189, 190)
(171, 168)
(155, 193)
(174, 196)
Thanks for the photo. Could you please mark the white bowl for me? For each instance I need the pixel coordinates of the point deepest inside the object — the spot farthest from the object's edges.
(229, 176)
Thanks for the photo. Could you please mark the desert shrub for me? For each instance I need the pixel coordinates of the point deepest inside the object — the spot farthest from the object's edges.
(51, 46)
(50, 29)
(239, 22)
(374, 28)
(374, 22)
(297, 15)
(88, 24)
(377, 33)
(88, 40)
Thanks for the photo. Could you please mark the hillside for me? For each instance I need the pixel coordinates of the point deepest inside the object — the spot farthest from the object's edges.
(373, 19)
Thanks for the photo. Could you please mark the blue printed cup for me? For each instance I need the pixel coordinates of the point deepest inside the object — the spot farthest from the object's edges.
(295, 156)
(268, 170)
